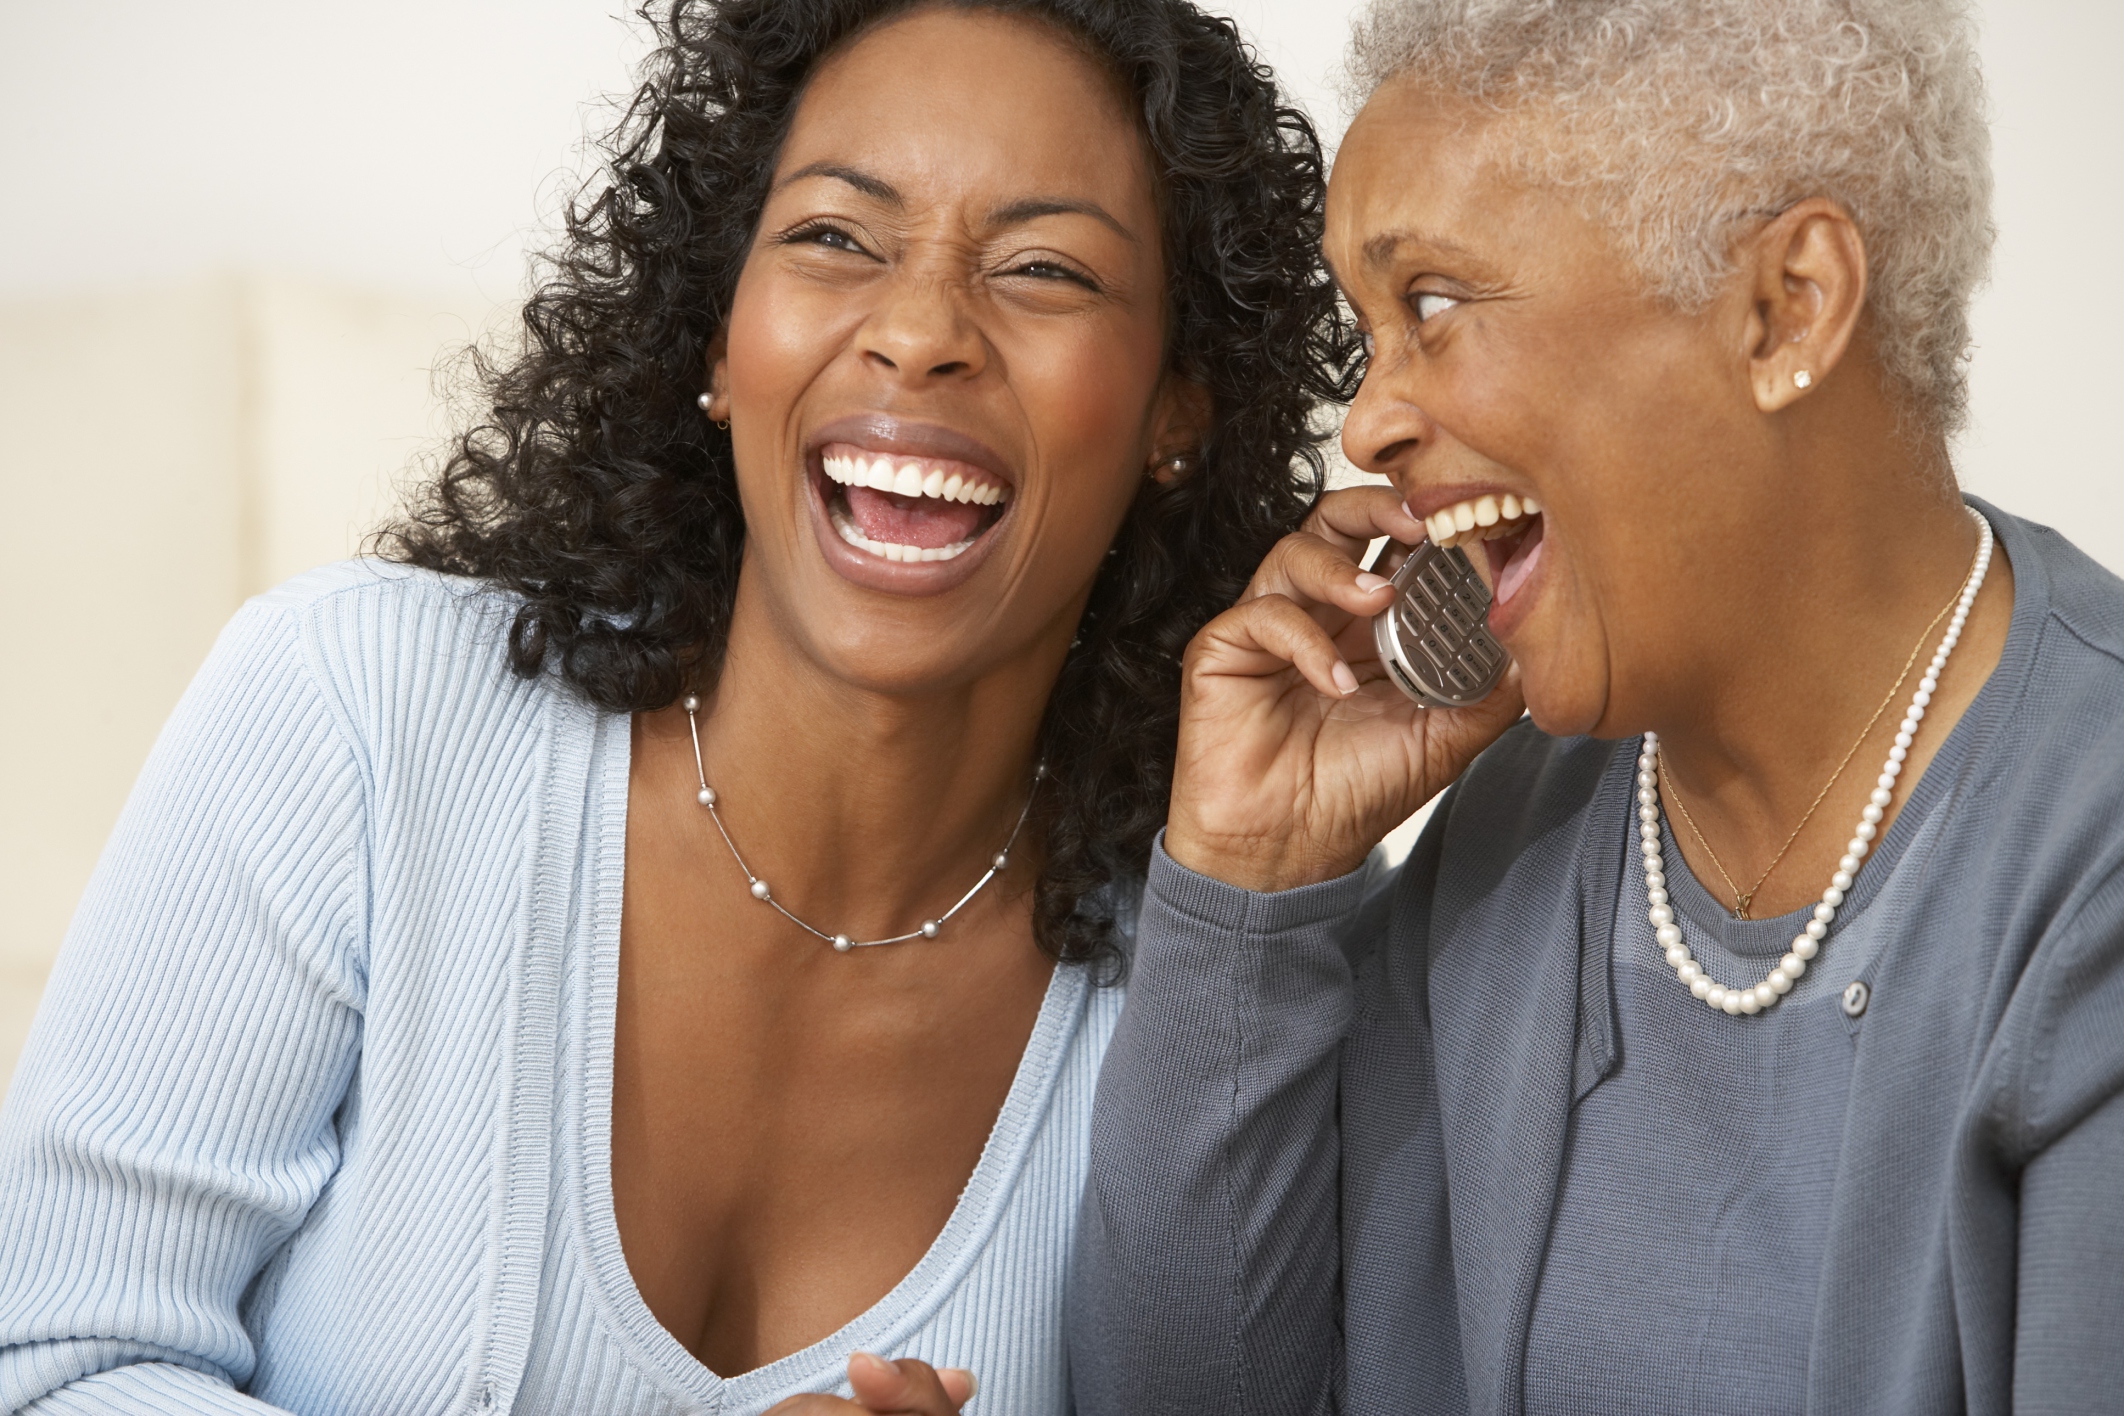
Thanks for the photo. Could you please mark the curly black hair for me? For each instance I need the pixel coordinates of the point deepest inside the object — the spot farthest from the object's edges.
(593, 491)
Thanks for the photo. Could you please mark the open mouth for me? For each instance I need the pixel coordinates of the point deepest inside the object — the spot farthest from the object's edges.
(1507, 528)
(908, 508)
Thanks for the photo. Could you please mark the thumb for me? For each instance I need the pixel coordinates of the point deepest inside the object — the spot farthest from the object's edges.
(1454, 736)
(907, 1386)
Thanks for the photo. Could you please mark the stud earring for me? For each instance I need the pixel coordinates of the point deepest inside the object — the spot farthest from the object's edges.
(1172, 469)
(704, 401)
(1802, 379)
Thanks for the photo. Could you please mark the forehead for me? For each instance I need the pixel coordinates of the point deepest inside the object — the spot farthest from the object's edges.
(944, 99)
(1416, 162)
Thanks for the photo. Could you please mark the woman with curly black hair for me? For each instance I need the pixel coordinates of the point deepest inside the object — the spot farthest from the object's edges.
(648, 939)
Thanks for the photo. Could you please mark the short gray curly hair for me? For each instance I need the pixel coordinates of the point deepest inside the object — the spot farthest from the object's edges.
(1684, 121)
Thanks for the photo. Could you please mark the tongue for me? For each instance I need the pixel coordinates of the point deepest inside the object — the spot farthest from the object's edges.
(929, 522)
(1525, 556)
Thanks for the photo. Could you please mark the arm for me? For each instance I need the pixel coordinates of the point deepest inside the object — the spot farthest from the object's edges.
(1208, 1254)
(1209, 1258)
(2069, 1300)
(2069, 1320)
(173, 1116)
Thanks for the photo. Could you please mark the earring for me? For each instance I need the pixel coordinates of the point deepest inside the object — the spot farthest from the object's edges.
(1173, 468)
(1802, 379)
(707, 402)
(704, 401)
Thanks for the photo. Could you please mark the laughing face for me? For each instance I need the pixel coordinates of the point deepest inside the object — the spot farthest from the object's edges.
(944, 364)
(1596, 452)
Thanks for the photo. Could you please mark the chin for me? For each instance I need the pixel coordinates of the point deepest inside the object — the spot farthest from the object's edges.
(1564, 700)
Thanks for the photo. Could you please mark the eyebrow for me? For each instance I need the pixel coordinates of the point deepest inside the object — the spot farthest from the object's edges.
(1033, 208)
(874, 187)
(1380, 250)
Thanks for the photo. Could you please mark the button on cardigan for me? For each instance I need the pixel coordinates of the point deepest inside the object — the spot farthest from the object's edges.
(285, 1133)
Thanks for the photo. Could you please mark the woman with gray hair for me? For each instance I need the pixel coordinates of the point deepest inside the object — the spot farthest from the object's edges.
(1746, 1031)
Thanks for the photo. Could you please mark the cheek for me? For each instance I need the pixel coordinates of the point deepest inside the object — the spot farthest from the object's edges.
(1087, 399)
(780, 335)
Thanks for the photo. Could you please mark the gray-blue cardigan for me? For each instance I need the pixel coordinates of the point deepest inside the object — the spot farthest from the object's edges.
(1327, 1147)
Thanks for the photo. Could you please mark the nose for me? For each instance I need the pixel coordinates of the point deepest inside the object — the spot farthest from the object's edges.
(922, 330)
(1385, 427)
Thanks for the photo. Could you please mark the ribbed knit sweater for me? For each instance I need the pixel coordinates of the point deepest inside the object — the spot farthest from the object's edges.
(315, 1114)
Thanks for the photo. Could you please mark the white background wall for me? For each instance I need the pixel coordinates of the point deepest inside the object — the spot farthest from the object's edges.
(237, 232)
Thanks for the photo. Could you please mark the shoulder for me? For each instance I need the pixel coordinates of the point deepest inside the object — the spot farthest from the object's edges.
(2054, 764)
(2085, 598)
(398, 652)
(2076, 671)
(353, 606)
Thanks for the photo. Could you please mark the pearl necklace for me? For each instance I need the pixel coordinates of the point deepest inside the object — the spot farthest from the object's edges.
(1779, 981)
(842, 943)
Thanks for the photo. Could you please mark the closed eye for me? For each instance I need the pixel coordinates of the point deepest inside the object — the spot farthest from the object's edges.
(1053, 270)
(820, 233)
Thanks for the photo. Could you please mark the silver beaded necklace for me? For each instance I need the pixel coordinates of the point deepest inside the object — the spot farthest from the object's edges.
(842, 943)
(1667, 930)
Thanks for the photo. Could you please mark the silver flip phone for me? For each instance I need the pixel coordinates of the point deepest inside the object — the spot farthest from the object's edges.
(1432, 638)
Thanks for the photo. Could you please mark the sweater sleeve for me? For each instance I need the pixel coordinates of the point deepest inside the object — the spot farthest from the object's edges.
(1209, 1252)
(173, 1117)
(2069, 1300)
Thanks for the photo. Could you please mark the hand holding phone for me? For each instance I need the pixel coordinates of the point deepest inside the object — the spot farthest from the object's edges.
(1300, 748)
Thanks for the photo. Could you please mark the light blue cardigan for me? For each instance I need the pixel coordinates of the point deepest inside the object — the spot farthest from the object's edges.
(286, 1126)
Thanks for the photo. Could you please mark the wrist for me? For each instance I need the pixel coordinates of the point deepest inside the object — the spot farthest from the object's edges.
(1256, 864)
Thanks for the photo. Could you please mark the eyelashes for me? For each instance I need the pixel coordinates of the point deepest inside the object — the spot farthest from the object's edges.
(817, 233)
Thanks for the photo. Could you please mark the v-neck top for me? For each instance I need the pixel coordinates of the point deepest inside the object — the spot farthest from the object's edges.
(315, 1117)
(987, 1296)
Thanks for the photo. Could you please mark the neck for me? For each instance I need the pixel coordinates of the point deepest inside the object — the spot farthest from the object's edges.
(1816, 623)
(869, 810)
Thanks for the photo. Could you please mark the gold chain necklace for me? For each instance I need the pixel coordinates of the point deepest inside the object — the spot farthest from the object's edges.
(1743, 898)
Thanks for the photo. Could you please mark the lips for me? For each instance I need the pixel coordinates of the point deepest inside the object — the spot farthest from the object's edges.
(905, 508)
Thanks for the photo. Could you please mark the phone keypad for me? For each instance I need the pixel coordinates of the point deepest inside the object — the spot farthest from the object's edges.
(1446, 653)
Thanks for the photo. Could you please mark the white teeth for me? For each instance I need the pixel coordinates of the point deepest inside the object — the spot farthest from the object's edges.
(892, 550)
(912, 479)
(1483, 518)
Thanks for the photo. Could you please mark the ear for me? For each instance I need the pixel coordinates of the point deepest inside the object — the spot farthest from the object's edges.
(1180, 424)
(1809, 295)
(718, 381)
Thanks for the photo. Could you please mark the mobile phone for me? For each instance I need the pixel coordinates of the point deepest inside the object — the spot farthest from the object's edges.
(1433, 638)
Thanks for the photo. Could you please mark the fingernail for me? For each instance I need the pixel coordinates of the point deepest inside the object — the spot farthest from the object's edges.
(1344, 679)
(876, 1361)
(1368, 582)
(973, 1383)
